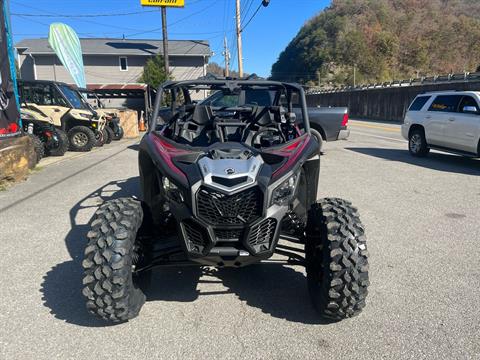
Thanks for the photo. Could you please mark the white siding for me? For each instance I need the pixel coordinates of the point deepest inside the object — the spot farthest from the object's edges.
(105, 69)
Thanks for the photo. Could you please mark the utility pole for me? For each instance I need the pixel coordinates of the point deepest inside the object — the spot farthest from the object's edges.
(239, 41)
(226, 54)
(354, 75)
(165, 40)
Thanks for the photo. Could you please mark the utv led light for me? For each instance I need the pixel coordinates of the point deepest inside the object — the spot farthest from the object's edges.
(284, 193)
(172, 191)
(168, 185)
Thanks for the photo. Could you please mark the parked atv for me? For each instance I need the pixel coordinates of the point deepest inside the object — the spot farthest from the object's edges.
(113, 127)
(54, 141)
(68, 111)
(227, 186)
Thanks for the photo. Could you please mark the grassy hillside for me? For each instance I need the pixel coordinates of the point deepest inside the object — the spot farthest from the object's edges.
(384, 40)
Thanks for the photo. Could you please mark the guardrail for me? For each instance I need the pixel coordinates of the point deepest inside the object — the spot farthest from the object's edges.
(389, 101)
(425, 80)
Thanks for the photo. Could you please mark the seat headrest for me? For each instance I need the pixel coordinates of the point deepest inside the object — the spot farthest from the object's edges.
(201, 115)
(263, 116)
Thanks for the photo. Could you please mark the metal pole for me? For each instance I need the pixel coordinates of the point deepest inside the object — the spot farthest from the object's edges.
(239, 41)
(165, 40)
(226, 53)
(354, 75)
(54, 68)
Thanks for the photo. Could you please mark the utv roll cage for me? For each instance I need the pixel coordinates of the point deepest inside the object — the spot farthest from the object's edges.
(55, 86)
(232, 85)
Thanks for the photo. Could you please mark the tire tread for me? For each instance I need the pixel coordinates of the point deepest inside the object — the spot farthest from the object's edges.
(337, 264)
(109, 288)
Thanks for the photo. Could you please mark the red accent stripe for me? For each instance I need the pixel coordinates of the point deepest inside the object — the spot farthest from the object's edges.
(167, 152)
(292, 152)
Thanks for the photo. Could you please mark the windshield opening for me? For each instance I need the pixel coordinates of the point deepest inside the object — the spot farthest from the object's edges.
(73, 97)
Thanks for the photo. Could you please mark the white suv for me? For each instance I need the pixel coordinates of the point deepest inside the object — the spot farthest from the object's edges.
(446, 120)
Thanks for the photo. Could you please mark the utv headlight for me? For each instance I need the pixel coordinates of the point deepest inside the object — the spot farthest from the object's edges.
(171, 190)
(284, 192)
(94, 124)
(86, 116)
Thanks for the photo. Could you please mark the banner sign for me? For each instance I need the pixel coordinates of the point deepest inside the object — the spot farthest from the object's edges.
(172, 3)
(9, 105)
(64, 40)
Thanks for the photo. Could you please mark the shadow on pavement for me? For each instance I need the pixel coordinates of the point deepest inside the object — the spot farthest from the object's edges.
(62, 285)
(275, 289)
(435, 161)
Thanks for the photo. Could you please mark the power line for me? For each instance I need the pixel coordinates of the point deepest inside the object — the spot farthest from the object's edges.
(83, 16)
(247, 9)
(249, 20)
(175, 22)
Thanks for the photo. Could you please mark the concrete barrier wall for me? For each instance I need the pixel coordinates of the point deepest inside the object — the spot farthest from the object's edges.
(389, 104)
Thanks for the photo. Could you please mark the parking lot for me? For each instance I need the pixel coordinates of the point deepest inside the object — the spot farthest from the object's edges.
(422, 223)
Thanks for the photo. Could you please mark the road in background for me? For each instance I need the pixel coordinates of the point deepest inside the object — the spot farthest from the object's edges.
(421, 218)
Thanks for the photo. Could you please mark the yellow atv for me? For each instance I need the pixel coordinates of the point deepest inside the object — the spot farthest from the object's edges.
(68, 111)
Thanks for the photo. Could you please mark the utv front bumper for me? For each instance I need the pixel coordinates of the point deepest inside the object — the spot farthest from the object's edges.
(229, 229)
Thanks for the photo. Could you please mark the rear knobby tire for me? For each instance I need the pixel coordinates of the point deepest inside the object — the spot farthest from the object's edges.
(63, 144)
(109, 134)
(81, 138)
(110, 287)
(38, 146)
(119, 134)
(100, 137)
(336, 254)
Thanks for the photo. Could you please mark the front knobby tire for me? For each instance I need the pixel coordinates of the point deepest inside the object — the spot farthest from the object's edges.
(63, 144)
(38, 146)
(336, 254)
(109, 134)
(81, 138)
(111, 288)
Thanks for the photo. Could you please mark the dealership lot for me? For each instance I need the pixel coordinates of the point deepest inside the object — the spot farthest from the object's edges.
(421, 217)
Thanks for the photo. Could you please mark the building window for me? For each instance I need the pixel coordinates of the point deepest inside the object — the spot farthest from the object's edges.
(123, 63)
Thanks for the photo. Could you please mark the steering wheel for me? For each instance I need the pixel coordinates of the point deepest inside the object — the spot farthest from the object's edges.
(270, 129)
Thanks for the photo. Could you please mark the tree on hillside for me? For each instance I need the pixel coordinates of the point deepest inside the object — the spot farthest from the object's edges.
(215, 69)
(154, 72)
(384, 40)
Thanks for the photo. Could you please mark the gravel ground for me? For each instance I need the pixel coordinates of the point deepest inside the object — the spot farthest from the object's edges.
(422, 221)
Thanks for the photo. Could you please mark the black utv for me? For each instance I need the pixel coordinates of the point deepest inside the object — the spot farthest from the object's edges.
(227, 186)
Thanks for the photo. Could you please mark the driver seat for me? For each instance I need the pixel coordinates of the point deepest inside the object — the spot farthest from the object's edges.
(201, 115)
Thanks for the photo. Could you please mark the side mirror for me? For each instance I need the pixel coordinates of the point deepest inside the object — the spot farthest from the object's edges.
(470, 109)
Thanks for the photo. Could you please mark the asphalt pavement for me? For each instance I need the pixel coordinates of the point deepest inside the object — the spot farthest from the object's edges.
(422, 223)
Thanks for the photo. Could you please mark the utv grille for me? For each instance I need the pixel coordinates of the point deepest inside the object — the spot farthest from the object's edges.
(228, 234)
(195, 235)
(220, 209)
(261, 235)
(229, 182)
